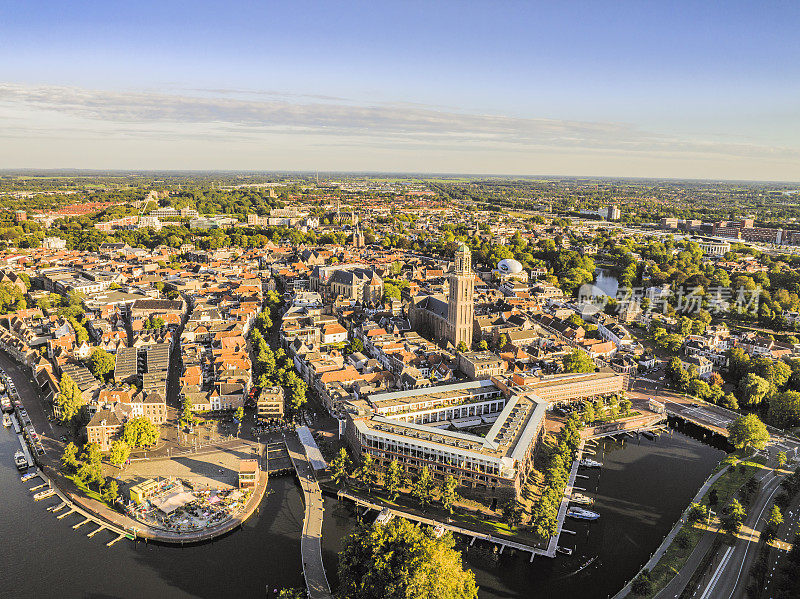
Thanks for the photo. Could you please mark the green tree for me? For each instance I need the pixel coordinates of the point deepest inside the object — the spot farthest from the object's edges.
(578, 361)
(502, 341)
(589, 415)
(730, 402)
(110, 492)
(355, 346)
(140, 432)
(101, 364)
(340, 466)
(462, 347)
(368, 475)
(239, 414)
(292, 594)
(625, 405)
(391, 292)
(738, 363)
(69, 399)
(753, 389)
(482, 345)
(69, 459)
(781, 459)
(697, 512)
(422, 490)
(775, 517)
(642, 585)
(448, 494)
(401, 561)
(748, 431)
(119, 452)
(784, 409)
(393, 479)
(512, 513)
(297, 391)
(154, 323)
(187, 415)
(733, 517)
(91, 454)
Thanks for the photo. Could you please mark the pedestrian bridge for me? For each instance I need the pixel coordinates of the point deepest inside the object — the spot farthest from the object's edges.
(311, 541)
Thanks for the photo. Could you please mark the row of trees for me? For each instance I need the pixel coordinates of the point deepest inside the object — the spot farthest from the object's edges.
(545, 513)
(270, 367)
(423, 488)
(688, 381)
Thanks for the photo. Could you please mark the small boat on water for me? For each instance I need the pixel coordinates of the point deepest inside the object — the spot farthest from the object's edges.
(581, 499)
(589, 463)
(6, 420)
(28, 475)
(581, 514)
(438, 531)
(586, 564)
(20, 460)
(44, 494)
(564, 550)
(384, 517)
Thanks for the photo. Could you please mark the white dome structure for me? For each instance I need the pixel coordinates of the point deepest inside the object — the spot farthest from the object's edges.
(509, 266)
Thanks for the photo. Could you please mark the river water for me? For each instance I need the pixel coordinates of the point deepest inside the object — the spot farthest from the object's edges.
(640, 491)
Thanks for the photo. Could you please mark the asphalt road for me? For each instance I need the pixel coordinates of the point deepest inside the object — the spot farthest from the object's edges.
(784, 538)
(728, 576)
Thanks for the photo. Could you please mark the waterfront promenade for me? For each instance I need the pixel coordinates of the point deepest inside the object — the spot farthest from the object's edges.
(311, 541)
(141, 531)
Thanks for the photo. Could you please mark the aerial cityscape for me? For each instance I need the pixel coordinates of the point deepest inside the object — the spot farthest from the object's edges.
(400, 300)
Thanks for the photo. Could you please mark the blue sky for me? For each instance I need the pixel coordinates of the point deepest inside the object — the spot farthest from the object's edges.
(674, 89)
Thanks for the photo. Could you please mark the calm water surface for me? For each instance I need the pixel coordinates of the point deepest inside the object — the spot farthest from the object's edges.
(640, 492)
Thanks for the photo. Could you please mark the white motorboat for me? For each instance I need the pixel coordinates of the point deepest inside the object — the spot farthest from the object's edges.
(581, 514)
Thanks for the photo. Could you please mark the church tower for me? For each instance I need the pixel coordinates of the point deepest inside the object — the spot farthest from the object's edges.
(460, 307)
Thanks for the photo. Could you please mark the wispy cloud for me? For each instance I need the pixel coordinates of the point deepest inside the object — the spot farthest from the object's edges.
(245, 114)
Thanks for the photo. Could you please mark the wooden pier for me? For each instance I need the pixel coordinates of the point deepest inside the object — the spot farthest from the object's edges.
(67, 507)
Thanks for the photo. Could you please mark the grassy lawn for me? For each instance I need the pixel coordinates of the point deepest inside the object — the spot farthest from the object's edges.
(83, 488)
(686, 540)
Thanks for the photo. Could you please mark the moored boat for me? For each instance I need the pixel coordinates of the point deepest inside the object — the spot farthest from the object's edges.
(581, 514)
(589, 463)
(581, 499)
(6, 420)
(20, 460)
(28, 475)
(44, 494)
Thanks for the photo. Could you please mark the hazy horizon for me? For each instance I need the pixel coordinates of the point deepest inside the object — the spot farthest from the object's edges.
(669, 91)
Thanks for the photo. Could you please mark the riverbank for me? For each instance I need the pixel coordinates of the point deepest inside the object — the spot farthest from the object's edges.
(671, 557)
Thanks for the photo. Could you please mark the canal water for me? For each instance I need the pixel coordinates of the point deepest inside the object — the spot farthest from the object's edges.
(641, 490)
(606, 281)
